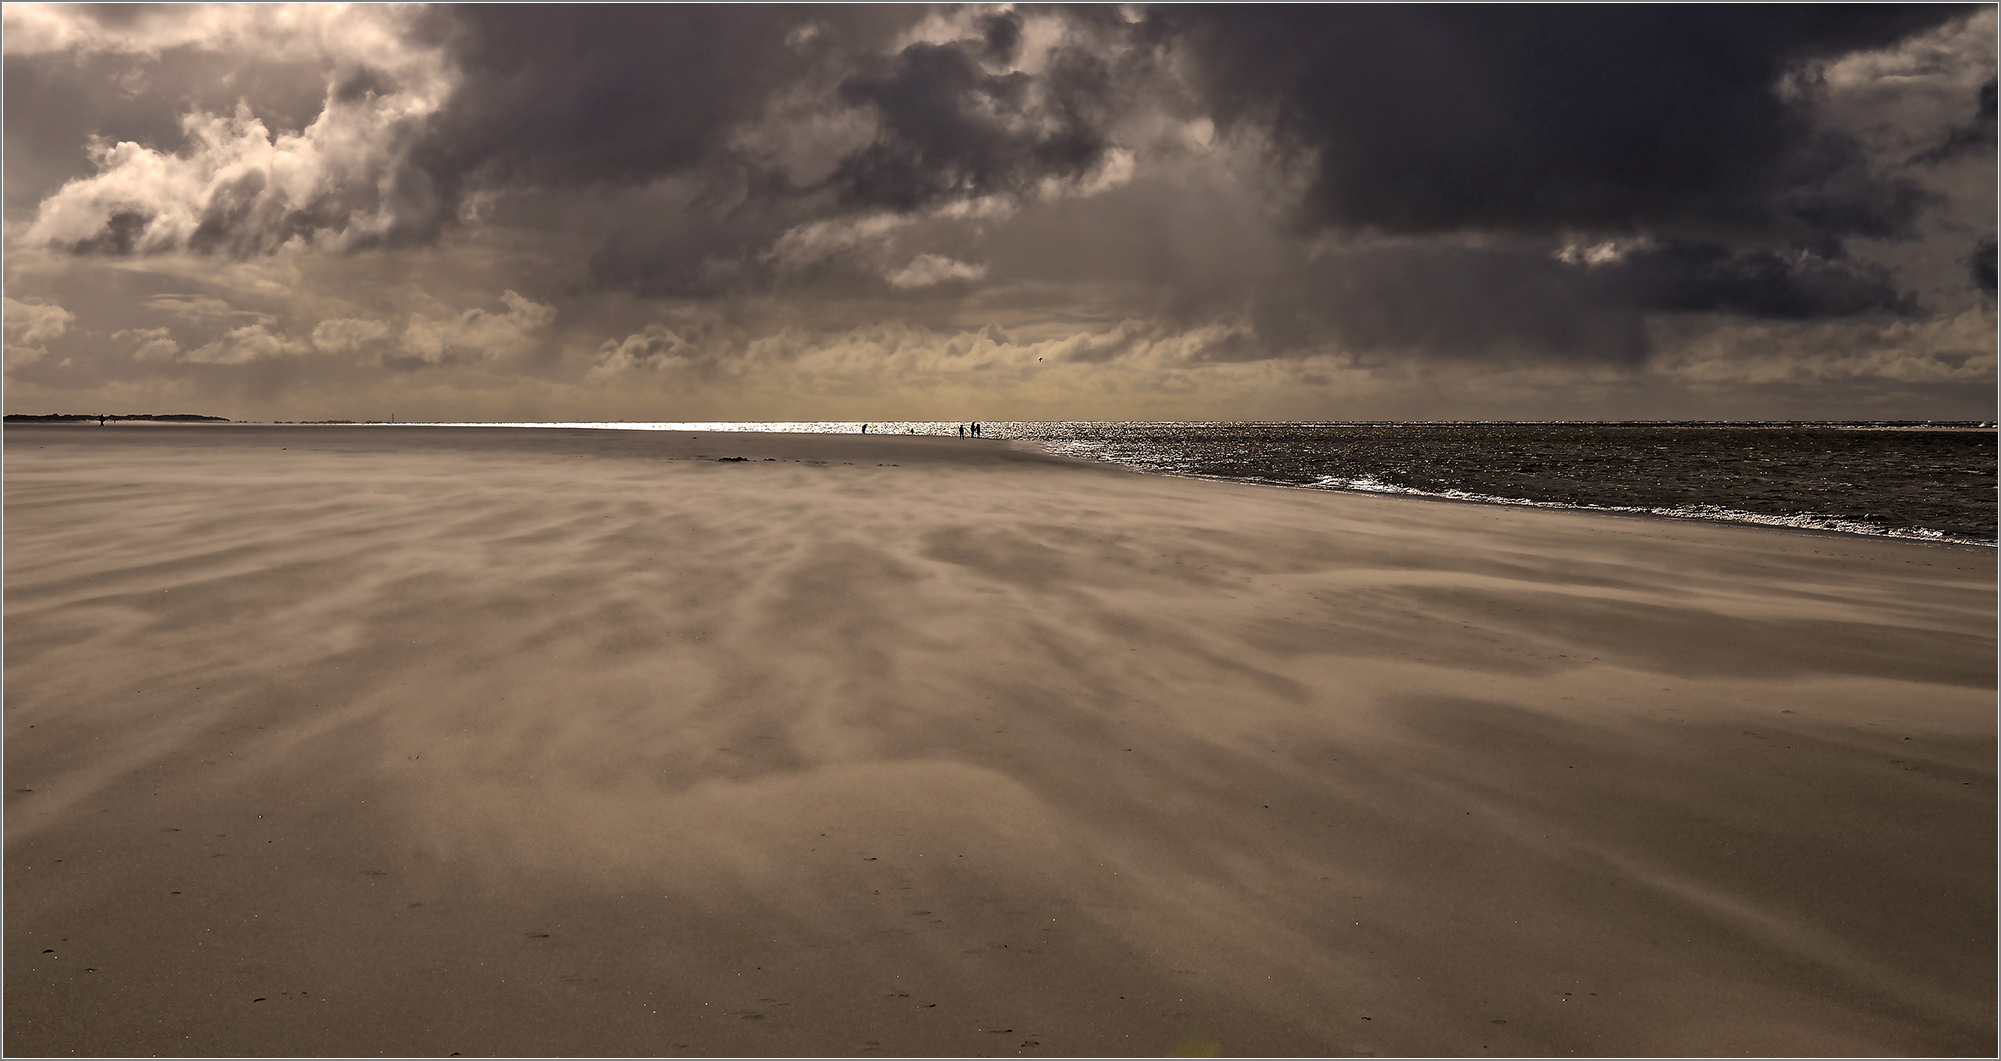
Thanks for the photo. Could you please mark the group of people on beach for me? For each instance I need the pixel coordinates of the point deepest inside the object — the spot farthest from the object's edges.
(962, 430)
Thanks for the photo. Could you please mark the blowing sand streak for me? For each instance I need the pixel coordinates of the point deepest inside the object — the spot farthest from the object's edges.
(351, 740)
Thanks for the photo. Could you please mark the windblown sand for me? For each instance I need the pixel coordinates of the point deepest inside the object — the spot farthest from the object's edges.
(421, 741)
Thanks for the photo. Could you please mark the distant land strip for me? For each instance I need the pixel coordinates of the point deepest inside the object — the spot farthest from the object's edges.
(72, 418)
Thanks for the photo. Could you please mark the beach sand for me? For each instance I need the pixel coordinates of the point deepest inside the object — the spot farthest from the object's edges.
(423, 741)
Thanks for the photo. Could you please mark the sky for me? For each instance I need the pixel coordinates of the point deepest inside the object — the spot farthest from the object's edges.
(1001, 213)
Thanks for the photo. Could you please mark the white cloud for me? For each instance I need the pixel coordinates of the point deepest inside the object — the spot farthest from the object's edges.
(1592, 255)
(241, 346)
(983, 208)
(1115, 170)
(155, 344)
(162, 349)
(817, 241)
(238, 186)
(1041, 33)
(474, 335)
(479, 335)
(927, 269)
(654, 348)
(280, 31)
(346, 335)
(1956, 51)
(901, 358)
(30, 326)
(1906, 98)
(1144, 368)
(35, 323)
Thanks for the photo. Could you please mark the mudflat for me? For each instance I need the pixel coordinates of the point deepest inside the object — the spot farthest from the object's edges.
(421, 741)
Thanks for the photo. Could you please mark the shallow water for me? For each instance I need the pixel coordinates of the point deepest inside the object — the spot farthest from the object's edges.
(1935, 482)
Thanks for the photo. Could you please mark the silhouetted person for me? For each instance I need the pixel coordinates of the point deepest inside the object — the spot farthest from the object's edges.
(976, 429)
(962, 431)
(864, 429)
(100, 419)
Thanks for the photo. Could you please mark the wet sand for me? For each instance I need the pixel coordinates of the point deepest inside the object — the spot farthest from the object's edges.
(422, 741)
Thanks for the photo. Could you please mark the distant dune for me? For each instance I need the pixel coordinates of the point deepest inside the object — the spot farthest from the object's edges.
(73, 418)
(339, 741)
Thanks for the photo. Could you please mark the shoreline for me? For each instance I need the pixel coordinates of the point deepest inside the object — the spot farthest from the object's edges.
(1751, 519)
(1554, 506)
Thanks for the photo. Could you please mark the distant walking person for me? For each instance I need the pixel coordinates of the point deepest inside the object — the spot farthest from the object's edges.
(962, 431)
(100, 419)
(976, 429)
(864, 429)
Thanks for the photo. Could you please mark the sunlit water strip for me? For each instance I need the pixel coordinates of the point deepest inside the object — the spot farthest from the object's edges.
(1047, 436)
(807, 427)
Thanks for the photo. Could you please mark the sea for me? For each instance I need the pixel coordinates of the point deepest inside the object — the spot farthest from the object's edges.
(1903, 479)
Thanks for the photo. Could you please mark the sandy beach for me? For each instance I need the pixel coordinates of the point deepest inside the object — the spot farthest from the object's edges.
(433, 741)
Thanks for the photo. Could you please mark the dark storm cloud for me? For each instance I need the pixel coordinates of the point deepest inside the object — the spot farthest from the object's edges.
(1411, 120)
(1434, 119)
(562, 96)
(1675, 124)
(1982, 265)
(951, 122)
(1976, 137)
(1000, 33)
(570, 96)
(541, 97)
(1449, 302)
(952, 129)
(574, 98)
(1457, 160)
(1692, 277)
(1833, 191)
(1528, 302)
(601, 98)
(694, 254)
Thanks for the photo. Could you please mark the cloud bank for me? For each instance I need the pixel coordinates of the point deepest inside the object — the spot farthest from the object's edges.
(712, 205)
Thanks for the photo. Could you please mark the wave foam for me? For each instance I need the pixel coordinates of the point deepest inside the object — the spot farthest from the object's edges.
(1711, 513)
